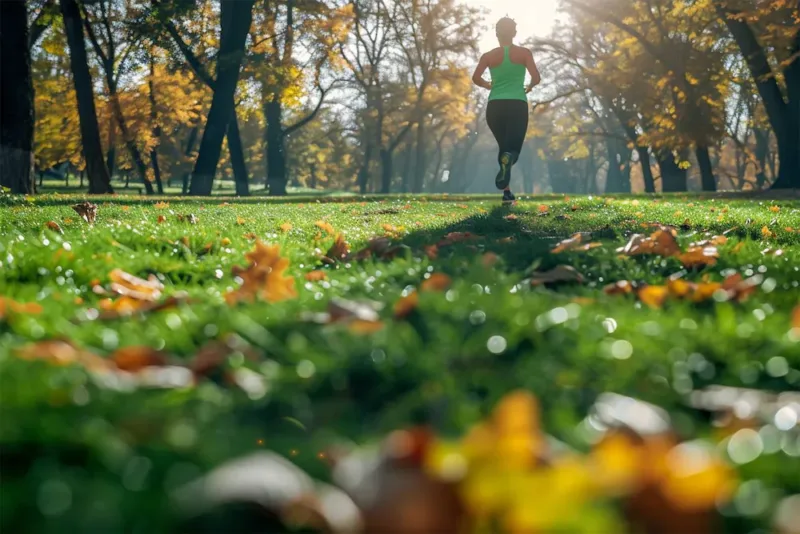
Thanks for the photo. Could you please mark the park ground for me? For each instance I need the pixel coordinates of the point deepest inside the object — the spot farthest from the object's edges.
(375, 314)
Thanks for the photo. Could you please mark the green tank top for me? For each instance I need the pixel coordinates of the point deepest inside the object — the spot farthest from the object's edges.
(508, 80)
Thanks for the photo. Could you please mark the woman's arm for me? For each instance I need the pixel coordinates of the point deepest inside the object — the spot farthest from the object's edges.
(477, 76)
(530, 64)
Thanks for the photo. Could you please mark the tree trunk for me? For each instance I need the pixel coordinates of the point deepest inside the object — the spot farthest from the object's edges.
(418, 179)
(111, 154)
(312, 176)
(130, 142)
(614, 178)
(707, 178)
(66, 177)
(189, 149)
(99, 180)
(647, 169)
(407, 170)
(784, 116)
(235, 149)
(83, 174)
(276, 157)
(156, 130)
(235, 17)
(363, 172)
(387, 170)
(762, 149)
(673, 178)
(16, 100)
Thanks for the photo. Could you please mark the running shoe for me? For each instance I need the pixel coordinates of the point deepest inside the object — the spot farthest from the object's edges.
(504, 175)
(508, 197)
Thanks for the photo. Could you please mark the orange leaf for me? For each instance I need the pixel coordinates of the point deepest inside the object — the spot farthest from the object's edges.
(774, 209)
(128, 285)
(543, 208)
(325, 226)
(432, 251)
(490, 259)
(653, 296)
(264, 277)
(133, 359)
(225, 242)
(406, 305)
(161, 219)
(699, 256)
(796, 317)
(316, 276)
(436, 282)
(161, 205)
(362, 327)
(250, 236)
(456, 237)
(766, 232)
(573, 243)
(28, 308)
(623, 287)
(58, 352)
(511, 217)
(285, 227)
(661, 243)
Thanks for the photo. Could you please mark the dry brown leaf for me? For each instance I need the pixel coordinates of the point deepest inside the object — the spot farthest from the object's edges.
(543, 209)
(128, 285)
(406, 305)
(699, 256)
(436, 282)
(456, 237)
(574, 207)
(623, 287)
(490, 259)
(134, 359)
(362, 328)
(52, 225)
(660, 243)
(60, 352)
(264, 277)
(126, 306)
(161, 219)
(574, 243)
(214, 354)
(432, 251)
(161, 205)
(24, 308)
(511, 217)
(338, 252)
(316, 276)
(739, 289)
(87, 211)
(559, 274)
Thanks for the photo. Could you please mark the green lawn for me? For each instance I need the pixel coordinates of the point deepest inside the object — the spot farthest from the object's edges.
(445, 362)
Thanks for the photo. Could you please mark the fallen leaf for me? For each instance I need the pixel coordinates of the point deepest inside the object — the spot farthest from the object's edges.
(357, 326)
(653, 296)
(87, 211)
(766, 232)
(436, 282)
(325, 226)
(543, 209)
(128, 285)
(456, 237)
(264, 277)
(507, 240)
(490, 259)
(161, 205)
(225, 242)
(462, 206)
(240, 221)
(285, 227)
(774, 209)
(161, 219)
(432, 251)
(699, 256)
(796, 317)
(574, 243)
(574, 207)
(623, 287)
(27, 308)
(338, 251)
(559, 274)
(60, 352)
(127, 306)
(406, 305)
(660, 243)
(190, 218)
(316, 276)
(51, 225)
(380, 248)
(250, 235)
(215, 354)
(134, 359)
(511, 217)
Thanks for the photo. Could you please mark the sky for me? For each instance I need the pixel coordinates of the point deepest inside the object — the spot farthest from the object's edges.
(534, 17)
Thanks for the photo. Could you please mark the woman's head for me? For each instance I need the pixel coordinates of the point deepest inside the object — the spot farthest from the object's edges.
(506, 30)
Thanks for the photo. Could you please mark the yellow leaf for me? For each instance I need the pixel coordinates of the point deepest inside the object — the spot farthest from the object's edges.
(264, 277)
(285, 227)
(653, 296)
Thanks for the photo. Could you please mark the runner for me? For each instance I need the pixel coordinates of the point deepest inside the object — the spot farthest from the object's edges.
(507, 112)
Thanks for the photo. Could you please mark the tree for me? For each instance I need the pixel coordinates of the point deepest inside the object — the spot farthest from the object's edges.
(16, 100)
(782, 105)
(99, 180)
(235, 19)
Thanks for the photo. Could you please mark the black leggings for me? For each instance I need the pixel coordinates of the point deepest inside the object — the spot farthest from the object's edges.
(508, 121)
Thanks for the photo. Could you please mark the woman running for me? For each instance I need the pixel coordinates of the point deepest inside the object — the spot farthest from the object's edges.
(507, 112)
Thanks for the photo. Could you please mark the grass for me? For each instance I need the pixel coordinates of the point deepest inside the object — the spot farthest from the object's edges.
(445, 364)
